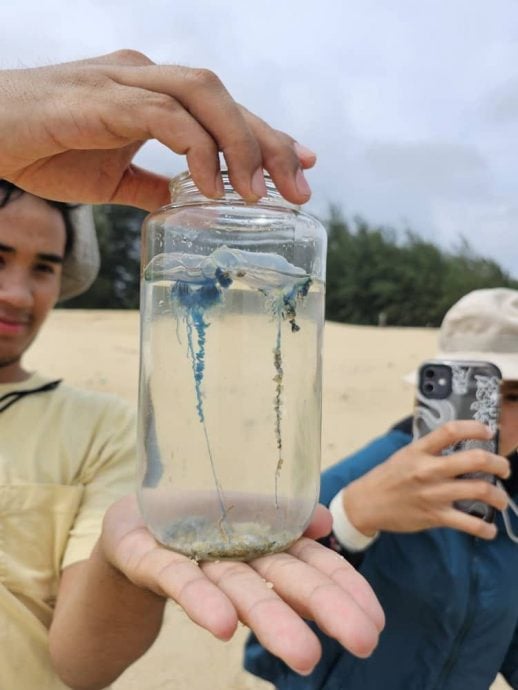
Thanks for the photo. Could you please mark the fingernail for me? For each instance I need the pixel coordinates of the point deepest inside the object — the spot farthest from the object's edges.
(258, 183)
(303, 671)
(302, 184)
(303, 151)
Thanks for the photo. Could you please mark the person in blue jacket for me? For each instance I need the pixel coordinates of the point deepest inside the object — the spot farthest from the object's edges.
(448, 581)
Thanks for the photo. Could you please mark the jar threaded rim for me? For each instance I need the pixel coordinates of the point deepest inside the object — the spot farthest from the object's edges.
(184, 191)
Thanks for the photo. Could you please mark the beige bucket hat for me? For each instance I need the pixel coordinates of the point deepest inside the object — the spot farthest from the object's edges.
(482, 325)
(81, 266)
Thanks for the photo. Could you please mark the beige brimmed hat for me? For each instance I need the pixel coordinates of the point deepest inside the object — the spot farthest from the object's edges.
(81, 266)
(482, 325)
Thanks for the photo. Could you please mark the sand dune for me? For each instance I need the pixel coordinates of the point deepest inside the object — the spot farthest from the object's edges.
(363, 395)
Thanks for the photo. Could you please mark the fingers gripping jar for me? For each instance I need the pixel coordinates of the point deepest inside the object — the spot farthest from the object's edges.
(232, 311)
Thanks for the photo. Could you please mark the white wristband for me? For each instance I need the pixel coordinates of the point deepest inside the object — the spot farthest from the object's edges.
(346, 533)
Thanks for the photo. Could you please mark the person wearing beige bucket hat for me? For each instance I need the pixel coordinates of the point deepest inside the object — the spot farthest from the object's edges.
(81, 256)
(66, 457)
(446, 579)
(482, 325)
(65, 454)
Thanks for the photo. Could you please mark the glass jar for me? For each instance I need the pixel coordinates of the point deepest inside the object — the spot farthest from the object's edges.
(232, 312)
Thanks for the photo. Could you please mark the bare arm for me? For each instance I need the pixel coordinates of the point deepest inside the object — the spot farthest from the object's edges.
(102, 623)
(109, 608)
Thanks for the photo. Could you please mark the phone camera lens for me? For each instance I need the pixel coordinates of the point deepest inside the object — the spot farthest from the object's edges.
(435, 380)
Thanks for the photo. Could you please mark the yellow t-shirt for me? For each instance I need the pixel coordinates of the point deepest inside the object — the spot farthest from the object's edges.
(65, 456)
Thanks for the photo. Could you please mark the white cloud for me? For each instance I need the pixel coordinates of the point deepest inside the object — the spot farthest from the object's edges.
(490, 227)
(429, 168)
(412, 107)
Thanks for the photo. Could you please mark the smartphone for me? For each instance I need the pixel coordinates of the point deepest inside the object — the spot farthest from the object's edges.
(448, 390)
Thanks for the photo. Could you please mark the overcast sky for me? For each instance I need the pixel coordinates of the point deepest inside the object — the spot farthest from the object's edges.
(411, 106)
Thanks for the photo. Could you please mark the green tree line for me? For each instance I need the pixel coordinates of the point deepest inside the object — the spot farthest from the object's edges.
(374, 274)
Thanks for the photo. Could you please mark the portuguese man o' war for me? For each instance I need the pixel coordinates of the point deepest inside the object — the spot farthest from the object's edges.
(256, 269)
(199, 283)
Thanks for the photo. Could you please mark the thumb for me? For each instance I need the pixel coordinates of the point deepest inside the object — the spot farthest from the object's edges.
(321, 523)
(142, 188)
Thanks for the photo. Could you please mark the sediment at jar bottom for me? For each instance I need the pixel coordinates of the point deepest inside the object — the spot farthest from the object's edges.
(197, 537)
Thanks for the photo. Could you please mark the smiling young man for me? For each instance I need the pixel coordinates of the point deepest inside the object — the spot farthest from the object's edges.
(34, 240)
(65, 454)
(83, 584)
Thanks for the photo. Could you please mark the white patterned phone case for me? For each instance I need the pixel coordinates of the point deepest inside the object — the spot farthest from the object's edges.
(449, 390)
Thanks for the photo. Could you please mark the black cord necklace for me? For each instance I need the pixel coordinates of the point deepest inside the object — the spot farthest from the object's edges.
(13, 396)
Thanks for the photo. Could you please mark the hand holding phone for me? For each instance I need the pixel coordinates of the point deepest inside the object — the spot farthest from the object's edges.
(460, 390)
(415, 489)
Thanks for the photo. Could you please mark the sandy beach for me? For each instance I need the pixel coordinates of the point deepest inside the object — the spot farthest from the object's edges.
(363, 394)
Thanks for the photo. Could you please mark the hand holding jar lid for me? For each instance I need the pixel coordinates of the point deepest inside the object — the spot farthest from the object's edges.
(72, 131)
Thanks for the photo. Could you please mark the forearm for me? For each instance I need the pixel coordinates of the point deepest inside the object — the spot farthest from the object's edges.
(102, 624)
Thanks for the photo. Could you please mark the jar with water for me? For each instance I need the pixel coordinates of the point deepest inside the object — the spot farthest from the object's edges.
(232, 311)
